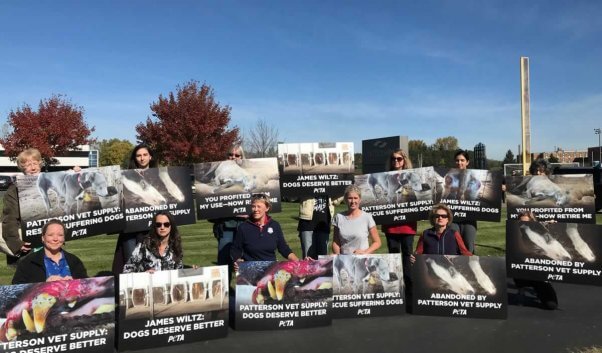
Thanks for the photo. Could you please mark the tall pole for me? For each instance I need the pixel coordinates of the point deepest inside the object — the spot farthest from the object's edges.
(525, 112)
(597, 132)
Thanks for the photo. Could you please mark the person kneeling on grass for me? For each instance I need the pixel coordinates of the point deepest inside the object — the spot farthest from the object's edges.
(441, 239)
(161, 250)
(259, 236)
(543, 290)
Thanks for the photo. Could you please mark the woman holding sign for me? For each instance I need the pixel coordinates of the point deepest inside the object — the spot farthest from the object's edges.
(400, 236)
(224, 229)
(467, 228)
(354, 228)
(161, 250)
(30, 163)
(52, 263)
(543, 290)
(259, 236)
(141, 159)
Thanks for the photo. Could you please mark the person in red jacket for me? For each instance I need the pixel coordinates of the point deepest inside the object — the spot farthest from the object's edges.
(400, 236)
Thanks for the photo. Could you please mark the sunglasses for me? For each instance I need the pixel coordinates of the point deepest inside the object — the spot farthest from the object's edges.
(234, 155)
(444, 216)
(397, 159)
(159, 224)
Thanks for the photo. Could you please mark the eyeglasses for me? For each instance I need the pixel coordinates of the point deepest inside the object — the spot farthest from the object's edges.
(444, 216)
(397, 159)
(159, 224)
(31, 164)
(234, 155)
(259, 197)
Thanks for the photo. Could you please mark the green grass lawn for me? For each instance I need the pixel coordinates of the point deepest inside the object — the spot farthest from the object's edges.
(200, 247)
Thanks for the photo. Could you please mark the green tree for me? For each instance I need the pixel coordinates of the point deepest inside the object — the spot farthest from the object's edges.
(553, 158)
(448, 143)
(114, 152)
(509, 158)
(419, 152)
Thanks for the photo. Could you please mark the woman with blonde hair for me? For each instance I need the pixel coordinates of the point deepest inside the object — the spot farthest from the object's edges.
(30, 163)
(354, 228)
(224, 229)
(258, 238)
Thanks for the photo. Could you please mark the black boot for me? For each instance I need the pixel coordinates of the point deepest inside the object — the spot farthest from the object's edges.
(546, 294)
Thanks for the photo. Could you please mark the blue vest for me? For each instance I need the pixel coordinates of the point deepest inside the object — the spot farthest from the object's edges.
(444, 245)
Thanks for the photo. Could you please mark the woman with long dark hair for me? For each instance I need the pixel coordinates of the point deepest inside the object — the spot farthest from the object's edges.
(141, 159)
(467, 228)
(160, 250)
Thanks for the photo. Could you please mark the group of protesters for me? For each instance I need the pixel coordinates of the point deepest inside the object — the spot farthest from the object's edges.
(251, 237)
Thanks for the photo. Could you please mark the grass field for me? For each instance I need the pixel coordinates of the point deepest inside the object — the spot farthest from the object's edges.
(200, 247)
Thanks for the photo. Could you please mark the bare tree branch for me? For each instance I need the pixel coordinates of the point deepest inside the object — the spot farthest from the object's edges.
(262, 139)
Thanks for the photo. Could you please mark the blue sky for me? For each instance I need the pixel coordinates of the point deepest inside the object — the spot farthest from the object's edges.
(319, 70)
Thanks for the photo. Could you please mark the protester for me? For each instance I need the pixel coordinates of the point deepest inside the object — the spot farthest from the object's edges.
(315, 216)
(30, 163)
(51, 263)
(354, 227)
(441, 239)
(160, 250)
(258, 237)
(400, 236)
(467, 228)
(543, 290)
(141, 159)
(224, 229)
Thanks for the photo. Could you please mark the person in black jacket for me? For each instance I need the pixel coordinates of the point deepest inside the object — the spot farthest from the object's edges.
(51, 263)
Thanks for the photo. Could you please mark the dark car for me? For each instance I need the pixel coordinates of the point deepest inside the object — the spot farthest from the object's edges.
(5, 181)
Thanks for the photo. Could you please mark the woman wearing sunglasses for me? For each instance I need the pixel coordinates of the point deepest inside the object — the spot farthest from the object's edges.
(441, 239)
(160, 250)
(400, 236)
(224, 229)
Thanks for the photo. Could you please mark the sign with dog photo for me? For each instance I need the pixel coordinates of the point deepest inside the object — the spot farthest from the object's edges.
(562, 252)
(459, 286)
(167, 308)
(145, 192)
(398, 196)
(318, 168)
(224, 189)
(61, 316)
(272, 295)
(563, 198)
(471, 194)
(88, 202)
(367, 285)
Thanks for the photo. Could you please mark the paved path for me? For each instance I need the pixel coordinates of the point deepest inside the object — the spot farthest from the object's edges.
(577, 323)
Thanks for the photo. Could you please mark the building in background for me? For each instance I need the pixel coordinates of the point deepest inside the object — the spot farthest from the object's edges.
(480, 157)
(84, 158)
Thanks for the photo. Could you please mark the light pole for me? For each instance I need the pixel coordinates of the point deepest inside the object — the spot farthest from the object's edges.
(597, 132)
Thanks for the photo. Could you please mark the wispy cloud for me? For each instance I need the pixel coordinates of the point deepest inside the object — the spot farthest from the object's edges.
(580, 19)
(419, 43)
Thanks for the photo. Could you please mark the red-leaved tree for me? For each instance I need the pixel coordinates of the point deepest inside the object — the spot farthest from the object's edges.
(55, 128)
(189, 127)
